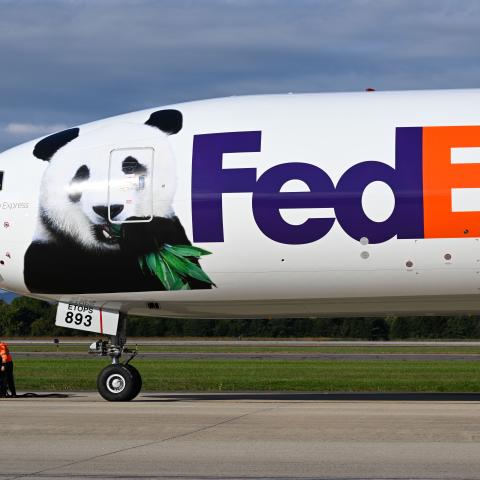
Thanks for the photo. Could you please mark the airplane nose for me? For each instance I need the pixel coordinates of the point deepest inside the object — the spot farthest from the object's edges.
(102, 211)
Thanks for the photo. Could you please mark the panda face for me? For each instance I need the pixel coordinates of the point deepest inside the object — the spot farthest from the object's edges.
(84, 193)
(127, 197)
(75, 198)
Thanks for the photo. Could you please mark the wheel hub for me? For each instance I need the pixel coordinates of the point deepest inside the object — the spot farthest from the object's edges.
(115, 383)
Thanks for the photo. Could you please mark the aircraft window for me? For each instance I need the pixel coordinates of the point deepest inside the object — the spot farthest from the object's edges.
(1, 180)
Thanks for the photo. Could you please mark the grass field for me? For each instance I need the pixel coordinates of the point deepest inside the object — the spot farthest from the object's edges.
(257, 375)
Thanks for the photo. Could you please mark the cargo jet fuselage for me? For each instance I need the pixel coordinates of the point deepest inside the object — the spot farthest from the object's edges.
(282, 205)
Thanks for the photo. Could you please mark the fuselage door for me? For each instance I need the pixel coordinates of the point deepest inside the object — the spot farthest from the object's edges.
(130, 196)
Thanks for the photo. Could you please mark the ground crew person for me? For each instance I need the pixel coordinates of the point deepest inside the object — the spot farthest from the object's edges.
(6, 369)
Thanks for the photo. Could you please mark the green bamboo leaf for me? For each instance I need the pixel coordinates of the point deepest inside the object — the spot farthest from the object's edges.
(180, 284)
(172, 266)
(141, 262)
(186, 251)
(159, 268)
(178, 264)
(174, 281)
(151, 261)
(167, 276)
(185, 267)
(115, 228)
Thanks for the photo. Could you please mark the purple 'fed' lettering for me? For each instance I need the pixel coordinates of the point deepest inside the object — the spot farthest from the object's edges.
(210, 180)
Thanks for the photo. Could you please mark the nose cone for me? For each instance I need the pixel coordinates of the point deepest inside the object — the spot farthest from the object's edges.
(20, 179)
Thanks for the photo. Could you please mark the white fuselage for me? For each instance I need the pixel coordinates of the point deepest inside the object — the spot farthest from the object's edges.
(385, 220)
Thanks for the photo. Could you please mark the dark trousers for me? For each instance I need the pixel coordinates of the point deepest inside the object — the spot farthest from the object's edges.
(7, 381)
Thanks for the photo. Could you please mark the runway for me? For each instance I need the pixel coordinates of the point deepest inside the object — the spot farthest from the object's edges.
(417, 357)
(243, 436)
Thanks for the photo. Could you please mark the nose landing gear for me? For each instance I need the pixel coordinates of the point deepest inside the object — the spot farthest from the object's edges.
(118, 382)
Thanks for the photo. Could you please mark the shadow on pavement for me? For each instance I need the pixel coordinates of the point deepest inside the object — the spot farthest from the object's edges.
(42, 395)
(314, 397)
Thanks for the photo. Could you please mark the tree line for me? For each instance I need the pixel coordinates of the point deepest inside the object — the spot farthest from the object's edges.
(27, 317)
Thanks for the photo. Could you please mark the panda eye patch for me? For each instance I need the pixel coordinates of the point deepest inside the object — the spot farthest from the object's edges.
(132, 166)
(83, 173)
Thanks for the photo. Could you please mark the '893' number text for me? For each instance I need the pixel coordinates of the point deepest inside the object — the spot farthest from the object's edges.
(78, 319)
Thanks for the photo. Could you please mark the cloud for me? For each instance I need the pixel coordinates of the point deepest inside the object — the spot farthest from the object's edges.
(29, 129)
(68, 62)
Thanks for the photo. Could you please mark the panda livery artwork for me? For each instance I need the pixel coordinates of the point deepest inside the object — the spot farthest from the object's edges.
(120, 239)
(248, 207)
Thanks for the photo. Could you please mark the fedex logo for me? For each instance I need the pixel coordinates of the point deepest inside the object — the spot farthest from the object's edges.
(422, 181)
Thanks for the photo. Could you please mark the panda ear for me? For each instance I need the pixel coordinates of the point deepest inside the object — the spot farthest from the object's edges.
(168, 121)
(46, 148)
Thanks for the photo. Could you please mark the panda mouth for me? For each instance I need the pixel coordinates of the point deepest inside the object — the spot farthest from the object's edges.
(105, 234)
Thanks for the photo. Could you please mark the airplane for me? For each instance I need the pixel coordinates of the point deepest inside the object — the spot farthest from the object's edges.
(298, 205)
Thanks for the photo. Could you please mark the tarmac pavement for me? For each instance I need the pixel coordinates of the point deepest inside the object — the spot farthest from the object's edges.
(242, 436)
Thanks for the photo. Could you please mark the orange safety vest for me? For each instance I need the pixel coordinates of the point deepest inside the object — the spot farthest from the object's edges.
(5, 353)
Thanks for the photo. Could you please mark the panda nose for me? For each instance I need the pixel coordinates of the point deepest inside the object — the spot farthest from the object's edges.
(102, 211)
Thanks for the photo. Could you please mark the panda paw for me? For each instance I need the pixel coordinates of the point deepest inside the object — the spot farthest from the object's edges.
(140, 237)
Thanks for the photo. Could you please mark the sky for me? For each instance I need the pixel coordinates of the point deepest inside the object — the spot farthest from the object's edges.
(63, 63)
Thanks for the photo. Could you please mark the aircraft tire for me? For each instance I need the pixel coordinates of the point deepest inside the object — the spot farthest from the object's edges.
(116, 383)
(137, 378)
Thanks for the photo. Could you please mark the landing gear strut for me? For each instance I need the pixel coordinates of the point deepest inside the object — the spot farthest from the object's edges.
(118, 382)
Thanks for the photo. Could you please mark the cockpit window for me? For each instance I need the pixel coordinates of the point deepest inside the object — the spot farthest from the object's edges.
(1, 180)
